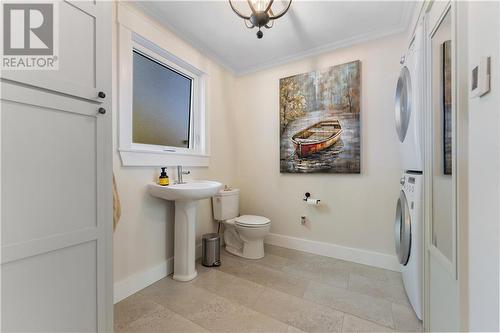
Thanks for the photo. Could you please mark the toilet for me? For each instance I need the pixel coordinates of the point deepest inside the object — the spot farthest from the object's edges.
(243, 235)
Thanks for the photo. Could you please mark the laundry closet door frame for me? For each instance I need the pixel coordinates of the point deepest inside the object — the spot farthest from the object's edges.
(436, 15)
(435, 12)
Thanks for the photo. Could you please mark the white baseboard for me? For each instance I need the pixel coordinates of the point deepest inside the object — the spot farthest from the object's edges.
(365, 257)
(138, 281)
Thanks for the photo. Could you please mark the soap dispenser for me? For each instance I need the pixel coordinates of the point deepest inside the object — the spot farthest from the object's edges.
(163, 180)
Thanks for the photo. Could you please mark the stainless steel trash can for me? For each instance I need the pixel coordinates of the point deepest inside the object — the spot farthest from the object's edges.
(210, 250)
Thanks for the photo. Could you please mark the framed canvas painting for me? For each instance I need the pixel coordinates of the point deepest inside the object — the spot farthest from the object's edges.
(320, 120)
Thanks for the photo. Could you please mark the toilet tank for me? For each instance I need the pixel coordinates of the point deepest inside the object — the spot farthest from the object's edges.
(226, 204)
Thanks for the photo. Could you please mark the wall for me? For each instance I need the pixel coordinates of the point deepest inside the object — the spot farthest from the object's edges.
(484, 179)
(355, 220)
(143, 239)
(356, 216)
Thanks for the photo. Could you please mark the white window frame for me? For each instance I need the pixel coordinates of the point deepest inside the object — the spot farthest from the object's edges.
(137, 154)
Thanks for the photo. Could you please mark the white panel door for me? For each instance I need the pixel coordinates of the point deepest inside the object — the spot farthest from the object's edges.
(56, 171)
(82, 25)
(442, 299)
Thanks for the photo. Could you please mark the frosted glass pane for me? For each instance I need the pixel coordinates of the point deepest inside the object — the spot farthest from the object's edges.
(161, 104)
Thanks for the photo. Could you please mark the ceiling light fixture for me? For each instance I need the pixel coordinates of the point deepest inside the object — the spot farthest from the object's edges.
(262, 14)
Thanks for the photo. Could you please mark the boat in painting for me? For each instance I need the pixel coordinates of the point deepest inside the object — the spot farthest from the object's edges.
(316, 137)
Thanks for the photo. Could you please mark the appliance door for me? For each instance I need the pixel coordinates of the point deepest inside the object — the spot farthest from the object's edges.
(403, 103)
(402, 230)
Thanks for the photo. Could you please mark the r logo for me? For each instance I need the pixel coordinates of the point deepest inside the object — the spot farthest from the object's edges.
(28, 29)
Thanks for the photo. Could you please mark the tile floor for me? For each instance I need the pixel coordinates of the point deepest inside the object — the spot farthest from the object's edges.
(286, 291)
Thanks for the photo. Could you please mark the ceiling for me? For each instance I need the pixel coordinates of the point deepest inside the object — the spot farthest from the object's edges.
(309, 27)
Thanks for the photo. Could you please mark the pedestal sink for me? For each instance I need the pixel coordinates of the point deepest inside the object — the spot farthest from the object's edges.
(185, 196)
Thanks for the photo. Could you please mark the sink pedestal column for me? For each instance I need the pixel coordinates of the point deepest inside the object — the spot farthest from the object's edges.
(184, 242)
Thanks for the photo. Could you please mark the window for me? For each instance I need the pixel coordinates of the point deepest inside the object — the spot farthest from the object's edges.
(161, 105)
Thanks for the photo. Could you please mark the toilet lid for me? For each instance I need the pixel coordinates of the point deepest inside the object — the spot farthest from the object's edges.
(251, 220)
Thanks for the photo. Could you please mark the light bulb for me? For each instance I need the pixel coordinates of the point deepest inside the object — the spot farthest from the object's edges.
(260, 5)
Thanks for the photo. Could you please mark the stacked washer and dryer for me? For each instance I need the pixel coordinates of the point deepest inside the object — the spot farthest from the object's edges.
(409, 226)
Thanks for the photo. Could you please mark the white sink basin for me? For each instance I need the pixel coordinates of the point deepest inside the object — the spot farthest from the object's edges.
(195, 190)
(185, 196)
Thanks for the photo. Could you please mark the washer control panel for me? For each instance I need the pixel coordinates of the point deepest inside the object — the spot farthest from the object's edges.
(412, 186)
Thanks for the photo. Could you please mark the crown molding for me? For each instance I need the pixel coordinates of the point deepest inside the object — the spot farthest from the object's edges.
(403, 26)
(193, 42)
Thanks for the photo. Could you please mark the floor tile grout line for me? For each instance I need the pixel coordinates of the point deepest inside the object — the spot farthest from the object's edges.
(343, 312)
(392, 316)
(339, 261)
(369, 320)
(292, 274)
(402, 302)
(359, 293)
(170, 309)
(320, 304)
(343, 319)
(385, 281)
(269, 267)
(336, 309)
(269, 287)
(295, 277)
(252, 307)
(163, 307)
(225, 298)
(356, 315)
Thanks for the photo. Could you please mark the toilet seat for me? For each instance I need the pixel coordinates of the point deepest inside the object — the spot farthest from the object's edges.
(251, 221)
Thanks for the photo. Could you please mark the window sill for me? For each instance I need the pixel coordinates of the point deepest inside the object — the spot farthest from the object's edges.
(133, 157)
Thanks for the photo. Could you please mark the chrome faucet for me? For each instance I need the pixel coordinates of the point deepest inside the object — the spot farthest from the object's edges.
(180, 173)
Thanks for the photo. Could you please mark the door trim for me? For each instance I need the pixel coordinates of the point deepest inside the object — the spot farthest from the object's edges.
(434, 14)
(450, 265)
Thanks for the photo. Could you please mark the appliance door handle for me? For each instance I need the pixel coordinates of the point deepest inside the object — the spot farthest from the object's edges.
(397, 229)
(402, 230)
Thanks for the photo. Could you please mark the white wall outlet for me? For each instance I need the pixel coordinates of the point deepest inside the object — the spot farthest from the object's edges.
(303, 220)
